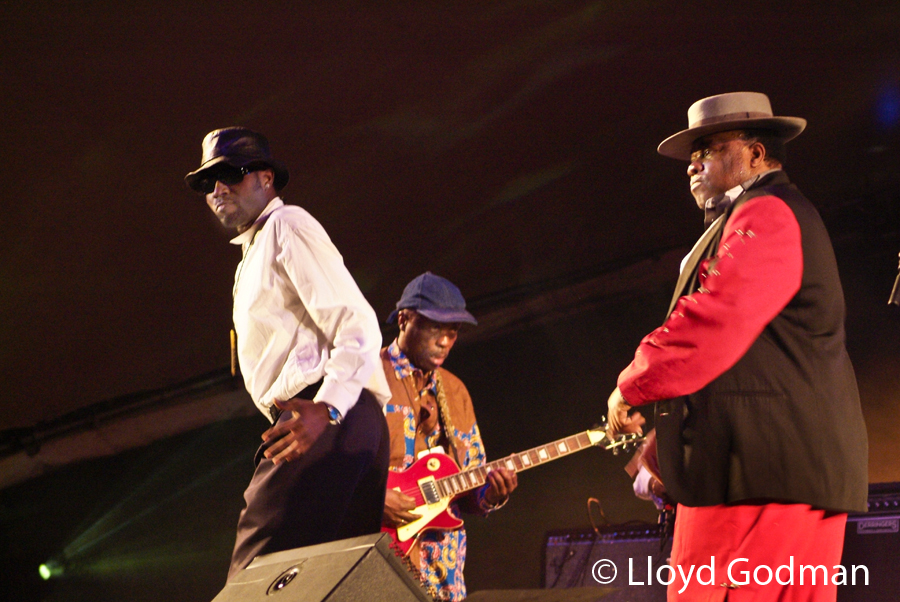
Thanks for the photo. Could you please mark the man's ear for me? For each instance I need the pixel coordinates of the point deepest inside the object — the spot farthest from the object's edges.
(266, 178)
(402, 320)
(757, 154)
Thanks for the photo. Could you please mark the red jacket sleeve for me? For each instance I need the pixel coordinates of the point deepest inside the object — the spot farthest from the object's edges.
(755, 273)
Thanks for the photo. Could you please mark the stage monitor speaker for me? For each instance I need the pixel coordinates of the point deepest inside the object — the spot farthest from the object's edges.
(872, 540)
(576, 594)
(363, 569)
(571, 559)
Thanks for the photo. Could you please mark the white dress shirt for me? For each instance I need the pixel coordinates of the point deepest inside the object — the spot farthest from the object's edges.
(300, 317)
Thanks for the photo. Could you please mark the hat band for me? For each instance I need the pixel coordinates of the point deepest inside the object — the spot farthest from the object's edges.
(731, 117)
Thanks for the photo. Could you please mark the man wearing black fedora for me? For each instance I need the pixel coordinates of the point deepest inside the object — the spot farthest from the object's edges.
(307, 343)
(760, 434)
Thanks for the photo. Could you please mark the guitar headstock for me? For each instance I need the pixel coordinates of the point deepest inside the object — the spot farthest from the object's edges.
(622, 442)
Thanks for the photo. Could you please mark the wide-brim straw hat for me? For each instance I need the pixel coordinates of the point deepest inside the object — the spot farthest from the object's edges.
(724, 112)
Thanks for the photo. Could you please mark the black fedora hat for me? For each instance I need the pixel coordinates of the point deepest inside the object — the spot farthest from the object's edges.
(237, 147)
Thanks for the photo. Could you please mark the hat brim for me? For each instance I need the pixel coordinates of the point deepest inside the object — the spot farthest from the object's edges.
(444, 316)
(281, 173)
(678, 146)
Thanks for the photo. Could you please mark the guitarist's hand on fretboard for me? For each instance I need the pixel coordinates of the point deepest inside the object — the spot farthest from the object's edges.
(501, 482)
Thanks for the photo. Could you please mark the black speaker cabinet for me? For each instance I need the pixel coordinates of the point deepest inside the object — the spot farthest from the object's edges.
(621, 556)
(872, 540)
(363, 569)
(576, 594)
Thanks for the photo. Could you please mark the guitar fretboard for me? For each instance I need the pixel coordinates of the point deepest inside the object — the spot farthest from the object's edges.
(461, 482)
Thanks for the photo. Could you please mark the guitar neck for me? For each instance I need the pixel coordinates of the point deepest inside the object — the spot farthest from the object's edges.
(463, 481)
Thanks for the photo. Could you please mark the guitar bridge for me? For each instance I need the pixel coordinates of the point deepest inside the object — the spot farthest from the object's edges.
(429, 489)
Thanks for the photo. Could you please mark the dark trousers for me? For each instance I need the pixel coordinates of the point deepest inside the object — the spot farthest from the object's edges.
(334, 491)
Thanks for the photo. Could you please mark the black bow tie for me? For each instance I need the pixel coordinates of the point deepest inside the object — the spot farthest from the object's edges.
(714, 208)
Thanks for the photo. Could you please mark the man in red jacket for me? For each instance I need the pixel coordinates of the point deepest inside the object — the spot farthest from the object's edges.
(761, 439)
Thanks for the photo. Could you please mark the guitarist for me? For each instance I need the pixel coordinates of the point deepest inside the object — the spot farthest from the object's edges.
(430, 407)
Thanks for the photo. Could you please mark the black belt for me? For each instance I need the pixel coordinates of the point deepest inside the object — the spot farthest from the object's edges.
(308, 392)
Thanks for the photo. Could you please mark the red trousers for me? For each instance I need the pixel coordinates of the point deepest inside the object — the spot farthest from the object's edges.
(770, 550)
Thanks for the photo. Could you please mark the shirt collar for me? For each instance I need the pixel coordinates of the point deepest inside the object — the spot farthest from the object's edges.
(245, 237)
(717, 205)
(403, 368)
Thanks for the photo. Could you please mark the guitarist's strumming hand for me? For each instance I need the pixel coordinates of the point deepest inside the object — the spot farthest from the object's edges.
(293, 437)
(619, 421)
(397, 508)
(501, 482)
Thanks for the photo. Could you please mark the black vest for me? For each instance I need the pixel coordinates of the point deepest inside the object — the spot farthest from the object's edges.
(784, 423)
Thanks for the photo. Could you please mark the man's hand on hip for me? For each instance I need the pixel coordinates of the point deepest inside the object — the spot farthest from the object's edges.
(293, 437)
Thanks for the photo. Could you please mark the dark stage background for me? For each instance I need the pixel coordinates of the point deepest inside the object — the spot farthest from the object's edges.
(509, 146)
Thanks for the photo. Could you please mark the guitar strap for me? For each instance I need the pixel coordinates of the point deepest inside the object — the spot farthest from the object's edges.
(444, 416)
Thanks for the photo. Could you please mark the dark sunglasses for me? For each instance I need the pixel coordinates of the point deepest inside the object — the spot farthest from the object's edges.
(226, 174)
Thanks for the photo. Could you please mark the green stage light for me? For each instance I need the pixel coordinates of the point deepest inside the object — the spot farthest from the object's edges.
(50, 569)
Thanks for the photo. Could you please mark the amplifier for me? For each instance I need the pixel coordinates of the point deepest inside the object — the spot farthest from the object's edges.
(625, 557)
(872, 540)
(360, 568)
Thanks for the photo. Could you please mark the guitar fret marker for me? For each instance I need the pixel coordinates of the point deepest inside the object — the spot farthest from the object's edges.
(543, 454)
(510, 465)
(562, 447)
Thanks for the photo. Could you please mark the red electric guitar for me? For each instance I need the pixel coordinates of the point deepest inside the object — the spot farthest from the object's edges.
(434, 480)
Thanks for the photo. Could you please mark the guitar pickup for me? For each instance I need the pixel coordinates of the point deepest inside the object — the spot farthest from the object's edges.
(429, 489)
